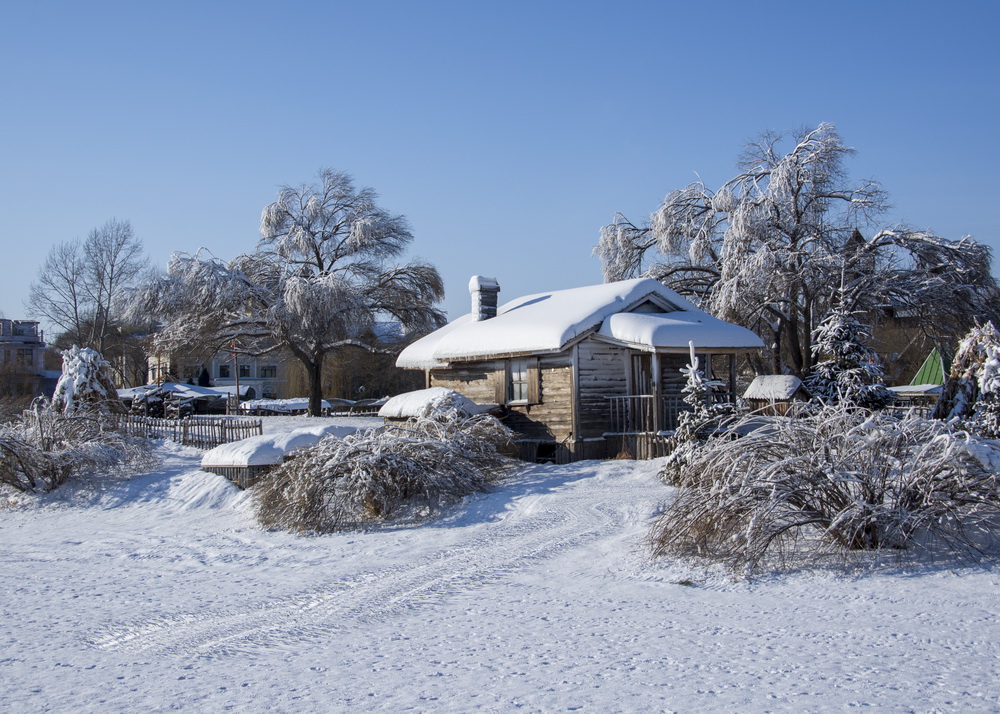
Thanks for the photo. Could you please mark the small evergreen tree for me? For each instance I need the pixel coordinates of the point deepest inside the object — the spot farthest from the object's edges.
(694, 425)
(85, 383)
(852, 372)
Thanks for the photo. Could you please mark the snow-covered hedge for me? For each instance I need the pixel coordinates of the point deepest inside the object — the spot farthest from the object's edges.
(842, 480)
(43, 449)
(343, 483)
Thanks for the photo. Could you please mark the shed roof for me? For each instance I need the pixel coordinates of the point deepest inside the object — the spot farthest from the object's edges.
(773, 387)
(550, 321)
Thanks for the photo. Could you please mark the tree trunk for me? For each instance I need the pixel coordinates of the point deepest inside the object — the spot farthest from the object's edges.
(776, 350)
(314, 368)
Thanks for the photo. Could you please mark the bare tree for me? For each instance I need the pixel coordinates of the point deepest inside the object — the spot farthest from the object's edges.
(80, 283)
(59, 293)
(318, 281)
(114, 260)
(770, 248)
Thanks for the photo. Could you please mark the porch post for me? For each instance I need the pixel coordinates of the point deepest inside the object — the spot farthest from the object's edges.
(657, 394)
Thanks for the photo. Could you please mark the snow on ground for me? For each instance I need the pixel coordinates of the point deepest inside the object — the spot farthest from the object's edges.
(161, 593)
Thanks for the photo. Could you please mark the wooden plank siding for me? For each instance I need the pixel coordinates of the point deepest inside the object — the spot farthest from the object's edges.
(568, 411)
(602, 373)
(549, 419)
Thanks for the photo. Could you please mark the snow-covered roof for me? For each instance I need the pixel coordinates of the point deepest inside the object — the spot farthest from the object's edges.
(184, 391)
(677, 329)
(412, 404)
(270, 449)
(773, 387)
(918, 389)
(549, 322)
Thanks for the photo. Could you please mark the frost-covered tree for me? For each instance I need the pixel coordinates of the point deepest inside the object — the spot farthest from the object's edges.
(764, 249)
(320, 277)
(972, 392)
(850, 370)
(85, 384)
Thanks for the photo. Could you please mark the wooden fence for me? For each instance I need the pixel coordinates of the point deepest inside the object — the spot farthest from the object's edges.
(200, 432)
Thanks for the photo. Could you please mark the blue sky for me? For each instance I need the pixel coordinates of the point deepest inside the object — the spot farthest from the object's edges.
(508, 133)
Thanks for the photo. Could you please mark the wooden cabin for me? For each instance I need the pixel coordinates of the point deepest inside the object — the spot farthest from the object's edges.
(581, 373)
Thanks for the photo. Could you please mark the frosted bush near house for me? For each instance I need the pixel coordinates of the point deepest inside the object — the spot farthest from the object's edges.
(436, 458)
(840, 481)
(972, 392)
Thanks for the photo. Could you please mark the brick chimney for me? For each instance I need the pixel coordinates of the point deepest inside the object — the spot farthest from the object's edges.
(484, 297)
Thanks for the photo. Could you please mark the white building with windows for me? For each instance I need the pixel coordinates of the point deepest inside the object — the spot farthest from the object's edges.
(258, 377)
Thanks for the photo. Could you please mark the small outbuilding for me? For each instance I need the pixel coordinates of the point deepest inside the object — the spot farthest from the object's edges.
(774, 394)
(574, 371)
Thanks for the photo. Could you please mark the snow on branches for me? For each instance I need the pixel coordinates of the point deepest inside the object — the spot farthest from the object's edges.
(840, 480)
(851, 371)
(318, 280)
(85, 383)
(422, 464)
(764, 250)
(972, 392)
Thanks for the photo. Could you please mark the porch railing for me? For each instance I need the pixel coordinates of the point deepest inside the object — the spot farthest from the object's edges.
(640, 413)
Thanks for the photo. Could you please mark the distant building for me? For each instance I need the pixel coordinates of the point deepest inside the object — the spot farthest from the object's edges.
(22, 350)
(262, 377)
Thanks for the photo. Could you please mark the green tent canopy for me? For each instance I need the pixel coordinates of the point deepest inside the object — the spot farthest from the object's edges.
(932, 371)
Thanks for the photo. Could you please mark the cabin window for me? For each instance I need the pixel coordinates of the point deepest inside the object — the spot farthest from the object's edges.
(522, 384)
(518, 375)
(223, 371)
(268, 371)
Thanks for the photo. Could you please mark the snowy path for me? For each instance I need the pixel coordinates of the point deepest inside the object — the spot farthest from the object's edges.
(538, 529)
(160, 593)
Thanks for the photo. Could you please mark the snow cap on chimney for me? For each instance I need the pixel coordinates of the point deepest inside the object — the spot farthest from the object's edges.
(484, 297)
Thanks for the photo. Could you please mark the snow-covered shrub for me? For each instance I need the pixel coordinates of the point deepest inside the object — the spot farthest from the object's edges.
(972, 392)
(85, 383)
(842, 480)
(44, 448)
(851, 371)
(427, 462)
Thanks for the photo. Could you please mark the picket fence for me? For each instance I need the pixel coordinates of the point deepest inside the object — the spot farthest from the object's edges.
(197, 431)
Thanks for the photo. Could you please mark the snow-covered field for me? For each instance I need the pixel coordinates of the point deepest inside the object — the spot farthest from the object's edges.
(161, 593)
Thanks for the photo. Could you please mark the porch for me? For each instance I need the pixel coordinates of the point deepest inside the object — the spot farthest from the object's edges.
(650, 414)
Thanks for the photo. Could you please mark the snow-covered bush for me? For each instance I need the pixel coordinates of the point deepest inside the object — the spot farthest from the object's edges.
(341, 483)
(972, 392)
(851, 371)
(44, 448)
(842, 480)
(85, 383)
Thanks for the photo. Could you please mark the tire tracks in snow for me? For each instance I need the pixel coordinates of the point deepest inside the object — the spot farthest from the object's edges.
(538, 527)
